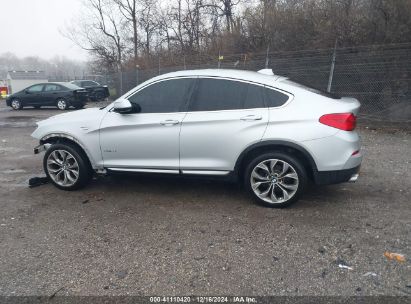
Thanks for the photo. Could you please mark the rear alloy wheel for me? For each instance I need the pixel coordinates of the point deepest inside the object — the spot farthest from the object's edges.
(16, 104)
(67, 166)
(62, 104)
(275, 179)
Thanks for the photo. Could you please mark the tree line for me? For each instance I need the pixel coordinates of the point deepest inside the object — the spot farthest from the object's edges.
(125, 34)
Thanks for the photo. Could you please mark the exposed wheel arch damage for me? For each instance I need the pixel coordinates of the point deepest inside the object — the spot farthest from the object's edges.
(66, 138)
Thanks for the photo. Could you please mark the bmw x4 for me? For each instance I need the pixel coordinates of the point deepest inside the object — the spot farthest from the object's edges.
(269, 133)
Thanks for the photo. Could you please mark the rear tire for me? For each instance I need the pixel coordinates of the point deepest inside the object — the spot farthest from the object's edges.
(67, 166)
(275, 180)
(62, 104)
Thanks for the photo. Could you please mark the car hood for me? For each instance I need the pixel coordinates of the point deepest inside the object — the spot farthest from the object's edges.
(73, 123)
(75, 116)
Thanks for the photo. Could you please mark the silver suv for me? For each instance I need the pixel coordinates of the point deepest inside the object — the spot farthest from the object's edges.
(266, 131)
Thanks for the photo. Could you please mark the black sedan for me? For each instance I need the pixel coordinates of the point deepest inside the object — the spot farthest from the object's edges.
(96, 91)
(59, 94)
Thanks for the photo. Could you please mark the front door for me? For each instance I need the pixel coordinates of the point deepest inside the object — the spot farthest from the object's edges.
(33, 95)
(147, 141)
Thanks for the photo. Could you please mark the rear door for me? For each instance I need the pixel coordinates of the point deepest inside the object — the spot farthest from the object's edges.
(224, 117)
(51, 93)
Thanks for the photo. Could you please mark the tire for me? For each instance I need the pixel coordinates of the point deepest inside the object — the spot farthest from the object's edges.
(37, 107)
(60, 163)
(16, 104)
(62, 104)
(266, 172)
(99, 96)
(79, 107)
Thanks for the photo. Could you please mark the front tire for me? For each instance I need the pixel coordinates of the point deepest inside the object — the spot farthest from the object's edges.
(62, 104)
(16, 104)
(67, 166)
(275, 180)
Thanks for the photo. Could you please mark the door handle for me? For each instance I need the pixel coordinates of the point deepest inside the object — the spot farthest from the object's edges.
(169, 122)
(251, 117)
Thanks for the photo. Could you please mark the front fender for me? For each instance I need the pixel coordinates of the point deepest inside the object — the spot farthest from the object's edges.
(55, 137)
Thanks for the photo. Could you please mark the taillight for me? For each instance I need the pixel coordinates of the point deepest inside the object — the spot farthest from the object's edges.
(342, 121)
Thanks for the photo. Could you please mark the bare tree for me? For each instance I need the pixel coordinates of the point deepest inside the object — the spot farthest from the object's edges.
(128, 9)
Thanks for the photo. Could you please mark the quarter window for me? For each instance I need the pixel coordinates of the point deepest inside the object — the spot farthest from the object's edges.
(164, 97)
(275, 98)
(219, 94)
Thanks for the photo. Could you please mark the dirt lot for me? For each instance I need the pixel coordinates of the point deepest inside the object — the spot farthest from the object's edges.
(150, 235)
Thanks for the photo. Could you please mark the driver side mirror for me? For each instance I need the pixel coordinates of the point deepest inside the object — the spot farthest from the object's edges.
(26, 91)
(123, 106)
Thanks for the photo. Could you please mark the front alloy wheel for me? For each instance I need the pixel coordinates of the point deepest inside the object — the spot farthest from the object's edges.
(63, 168)
(67, 166)
(16, 104)
(275, 180)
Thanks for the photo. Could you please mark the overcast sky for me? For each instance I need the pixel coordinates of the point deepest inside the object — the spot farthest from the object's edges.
(31, 28)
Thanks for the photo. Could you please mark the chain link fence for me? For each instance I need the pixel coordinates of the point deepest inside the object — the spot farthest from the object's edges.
(379, 76)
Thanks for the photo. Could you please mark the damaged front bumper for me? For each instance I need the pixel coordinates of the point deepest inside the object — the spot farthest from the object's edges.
(41, 148)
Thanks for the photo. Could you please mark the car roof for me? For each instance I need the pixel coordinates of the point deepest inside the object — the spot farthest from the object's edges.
(252, 76)
(83, 80)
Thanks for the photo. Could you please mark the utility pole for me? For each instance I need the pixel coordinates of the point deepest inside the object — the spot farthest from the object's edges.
(330, 79)
(137, 67)
(266, 57)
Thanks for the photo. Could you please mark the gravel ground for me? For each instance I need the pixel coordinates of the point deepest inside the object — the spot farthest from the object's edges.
(153, 235)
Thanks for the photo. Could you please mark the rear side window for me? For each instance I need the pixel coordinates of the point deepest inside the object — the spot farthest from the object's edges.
(52, 87)
(164, 97)
(219, 94)
(275, 98)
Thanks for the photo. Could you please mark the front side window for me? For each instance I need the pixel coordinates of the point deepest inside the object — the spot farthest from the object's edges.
(36, 88)
(164, 97)
(220, 94)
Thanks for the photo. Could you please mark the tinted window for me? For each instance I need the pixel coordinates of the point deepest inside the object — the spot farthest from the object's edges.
(71, 86)
(52, 87)
(77, 83)
(218, 94)
(275, 98)
(36, 88)
(164, 97)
